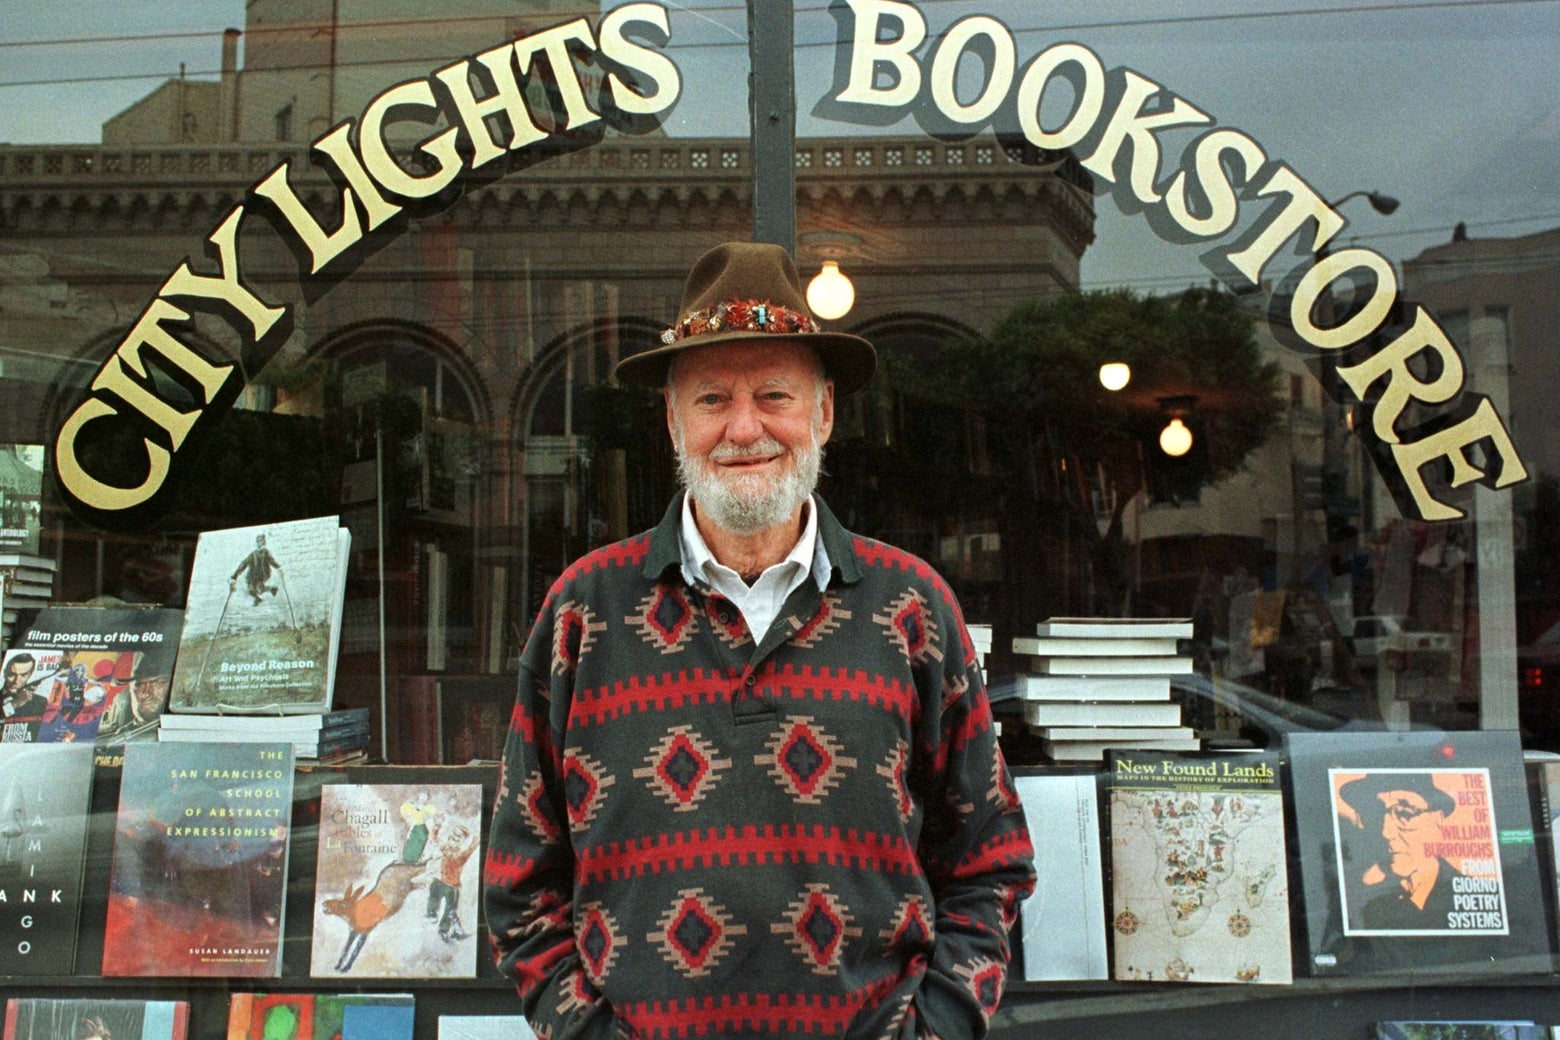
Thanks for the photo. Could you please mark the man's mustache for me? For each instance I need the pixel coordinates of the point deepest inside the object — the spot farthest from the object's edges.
(764, 446)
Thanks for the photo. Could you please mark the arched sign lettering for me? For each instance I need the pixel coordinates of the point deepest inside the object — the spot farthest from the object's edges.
(1224, 192)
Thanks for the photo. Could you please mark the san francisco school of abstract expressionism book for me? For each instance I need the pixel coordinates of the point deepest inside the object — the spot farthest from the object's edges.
(262, 619)
(397, 879)
(45, 805)
(42, 1018)
(1200, 890)
(199, 871)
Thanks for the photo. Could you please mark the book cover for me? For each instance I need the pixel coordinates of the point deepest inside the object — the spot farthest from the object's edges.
(1199, 882)
(1094, 750)
(1111, 713)
(42, 1018)
(21, 497)
(1116, 628)
(199, 870)
(111, 681)
(1417, 853)
(29, 677)
(1063, 921)
(45, 806)
(1067, 646)
(484, 1027)
(1090, 688)
(321, 1016)
(262, 619)
(1097, 665)
(397, 881)
(1461, 1029)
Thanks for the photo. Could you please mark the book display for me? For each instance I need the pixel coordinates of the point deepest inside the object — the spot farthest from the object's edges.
(262, 619)
(40, 1018)
(396, 882)
(1063, 920)
(1095, 684)
(1200, 890)
(102, 673)
(199, 873)
(484, 1027)
(1417, 851)
(45, 793)
(321, 1016)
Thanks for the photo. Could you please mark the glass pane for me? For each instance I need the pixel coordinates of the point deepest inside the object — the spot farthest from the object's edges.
(416, 317)
(1023, 193)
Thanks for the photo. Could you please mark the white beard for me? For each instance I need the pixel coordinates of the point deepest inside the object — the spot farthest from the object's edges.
(749, 504)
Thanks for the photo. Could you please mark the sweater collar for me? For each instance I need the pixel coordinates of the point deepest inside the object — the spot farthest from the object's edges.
(666, 545)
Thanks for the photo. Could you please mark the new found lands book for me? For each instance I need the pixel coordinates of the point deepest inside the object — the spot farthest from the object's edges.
(262, 619)
(1200, 889)
(45, 805)
(199, 872)
(397, 881)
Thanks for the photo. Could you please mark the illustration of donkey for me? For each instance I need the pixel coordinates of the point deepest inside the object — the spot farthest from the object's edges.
(363, 913)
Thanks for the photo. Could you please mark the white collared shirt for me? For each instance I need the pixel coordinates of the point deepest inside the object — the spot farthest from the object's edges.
(760, 602)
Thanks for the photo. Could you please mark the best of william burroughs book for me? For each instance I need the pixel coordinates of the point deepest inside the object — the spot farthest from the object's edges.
(200, 860)
(1200, 889)
(320, 1016)
(39, 1018)
(262, 618)
(397, 881)
(45, 802)
(1417, 853)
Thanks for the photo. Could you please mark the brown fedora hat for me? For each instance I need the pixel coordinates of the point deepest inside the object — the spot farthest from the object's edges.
(1363, 795)
(747, 292)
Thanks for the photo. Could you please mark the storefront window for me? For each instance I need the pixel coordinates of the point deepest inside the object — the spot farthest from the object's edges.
(284, 259)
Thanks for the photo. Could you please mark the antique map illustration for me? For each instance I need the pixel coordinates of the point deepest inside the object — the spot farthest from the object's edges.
(1200, 890)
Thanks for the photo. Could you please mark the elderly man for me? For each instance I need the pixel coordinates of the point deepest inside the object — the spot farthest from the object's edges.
(1415, 887)
(751, 785)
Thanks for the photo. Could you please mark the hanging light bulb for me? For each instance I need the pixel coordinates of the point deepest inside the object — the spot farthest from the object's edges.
(830, 294)
(1175, 439)
(1115, 374)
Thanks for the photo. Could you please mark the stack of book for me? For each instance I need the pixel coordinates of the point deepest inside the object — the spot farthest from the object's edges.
(28, 581)
(980, 636)
(325, 737)
(1100, 683)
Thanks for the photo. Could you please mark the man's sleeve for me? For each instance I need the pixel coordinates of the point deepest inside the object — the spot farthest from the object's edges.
(975, 849)
(528, 876)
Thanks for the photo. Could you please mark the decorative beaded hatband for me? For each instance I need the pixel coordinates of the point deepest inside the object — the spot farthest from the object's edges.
(740, 316)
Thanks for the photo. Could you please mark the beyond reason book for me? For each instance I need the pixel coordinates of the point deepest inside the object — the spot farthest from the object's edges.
(262, 619)
(1200, 890)
(397, 881)
(45, 806)
(41, 1018)
(1417, 853)
(199, 872)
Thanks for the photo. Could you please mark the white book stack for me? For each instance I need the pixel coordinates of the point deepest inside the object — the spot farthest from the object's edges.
(28, 583)
(1101, 683)
(980, 636)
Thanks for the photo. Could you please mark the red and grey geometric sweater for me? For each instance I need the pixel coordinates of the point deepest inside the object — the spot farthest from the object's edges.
(700, 835)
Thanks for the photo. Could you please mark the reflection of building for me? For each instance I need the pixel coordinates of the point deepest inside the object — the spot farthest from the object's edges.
(456, 380)
(1499, 300)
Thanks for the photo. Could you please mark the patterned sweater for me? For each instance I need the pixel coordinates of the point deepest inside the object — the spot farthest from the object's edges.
(699, 835)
